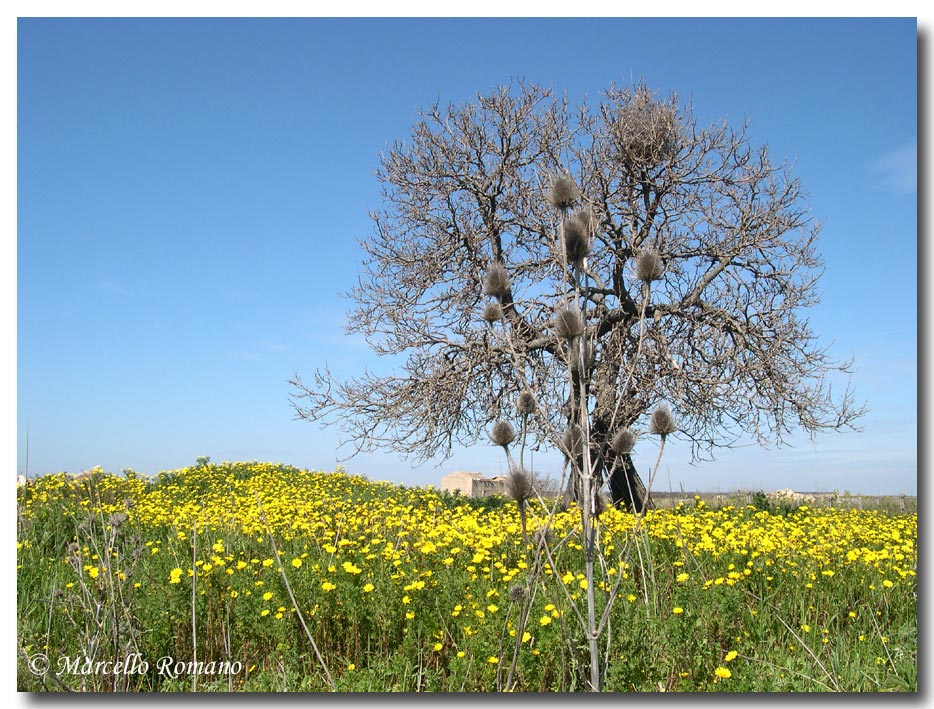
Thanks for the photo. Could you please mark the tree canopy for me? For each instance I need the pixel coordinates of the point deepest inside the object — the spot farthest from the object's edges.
(692, 252)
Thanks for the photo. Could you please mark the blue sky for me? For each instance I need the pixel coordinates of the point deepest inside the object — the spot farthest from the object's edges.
(190, 192)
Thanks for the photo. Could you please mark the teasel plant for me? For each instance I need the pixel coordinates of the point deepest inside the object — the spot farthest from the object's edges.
(607, 259)
(100, 607)
(580, 480)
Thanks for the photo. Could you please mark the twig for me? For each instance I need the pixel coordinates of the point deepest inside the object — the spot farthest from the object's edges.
(288, 587)
(836, 687)
(194, 625)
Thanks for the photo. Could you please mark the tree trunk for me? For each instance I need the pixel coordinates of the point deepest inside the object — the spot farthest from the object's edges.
(626, 486)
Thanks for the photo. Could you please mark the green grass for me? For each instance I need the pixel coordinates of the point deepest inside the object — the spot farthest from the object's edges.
(409, 590)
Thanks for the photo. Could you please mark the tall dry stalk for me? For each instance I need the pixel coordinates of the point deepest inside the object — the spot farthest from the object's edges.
(573, 337)
(288, 588)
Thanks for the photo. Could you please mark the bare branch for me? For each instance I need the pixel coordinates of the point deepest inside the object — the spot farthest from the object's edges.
(716, 313)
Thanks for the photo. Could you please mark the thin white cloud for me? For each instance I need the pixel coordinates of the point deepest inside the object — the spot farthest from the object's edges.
(897, 171)
(114, 288)
(259, 351)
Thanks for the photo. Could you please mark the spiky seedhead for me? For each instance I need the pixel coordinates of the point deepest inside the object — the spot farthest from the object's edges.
(525, 404)
(543, 536)
(623, 441)
(649, 266)
(662, 422)
(562, 192)
(575, 231)
(520, 485)
(492, 312)
(518, 593)
(503, 433)
(569, 323)
(572, 441)
(496, 283)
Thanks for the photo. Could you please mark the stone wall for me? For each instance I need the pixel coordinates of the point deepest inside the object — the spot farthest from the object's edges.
(472, 484)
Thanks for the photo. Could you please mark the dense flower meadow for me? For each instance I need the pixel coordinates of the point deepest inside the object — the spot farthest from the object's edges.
(246, 565)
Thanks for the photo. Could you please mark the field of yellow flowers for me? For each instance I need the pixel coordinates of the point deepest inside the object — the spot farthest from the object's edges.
(264, 577)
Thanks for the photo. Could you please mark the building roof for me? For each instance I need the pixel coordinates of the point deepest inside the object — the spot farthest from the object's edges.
(465, 474)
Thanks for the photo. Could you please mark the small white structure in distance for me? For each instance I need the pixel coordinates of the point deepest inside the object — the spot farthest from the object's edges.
(473, 484)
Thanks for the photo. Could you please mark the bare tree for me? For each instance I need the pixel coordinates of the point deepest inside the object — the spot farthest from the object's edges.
(684, 245)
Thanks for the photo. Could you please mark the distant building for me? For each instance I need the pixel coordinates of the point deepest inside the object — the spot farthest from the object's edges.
(789, 495)
(473, 484)
(88, 474)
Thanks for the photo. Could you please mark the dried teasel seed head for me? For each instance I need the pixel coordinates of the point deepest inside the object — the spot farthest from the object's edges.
(518, 593)
(572, 441)
(543, 536)
(569, 323)
(520, 485)
(496, 282)
(662, 422)
(492, 312)
(624, 440)
(525, 404)
(562, 192)
(649, 266)
(575, 231)
(503, 433)
(117, 518)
